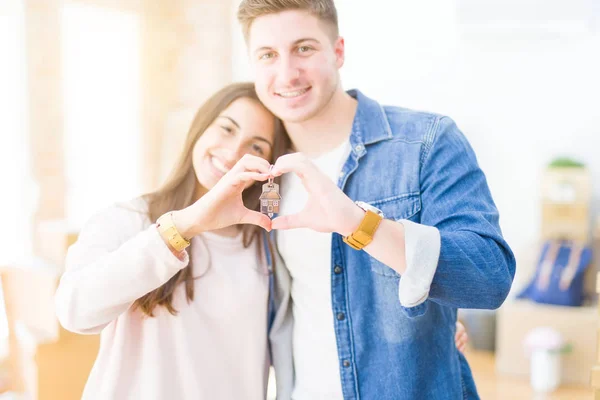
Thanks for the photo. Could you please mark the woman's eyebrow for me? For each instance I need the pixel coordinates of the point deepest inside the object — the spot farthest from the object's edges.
(262, 139)
(230, 119)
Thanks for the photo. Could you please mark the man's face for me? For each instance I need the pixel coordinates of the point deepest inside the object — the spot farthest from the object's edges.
(295, 61)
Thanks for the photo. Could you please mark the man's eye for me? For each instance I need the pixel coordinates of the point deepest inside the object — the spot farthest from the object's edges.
(267, 56)
(304, 49)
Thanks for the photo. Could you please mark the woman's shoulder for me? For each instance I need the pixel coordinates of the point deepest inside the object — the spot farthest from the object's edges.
(125, 217)
(137, 206)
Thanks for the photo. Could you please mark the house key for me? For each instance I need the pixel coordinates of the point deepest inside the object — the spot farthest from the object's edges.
(270, 198)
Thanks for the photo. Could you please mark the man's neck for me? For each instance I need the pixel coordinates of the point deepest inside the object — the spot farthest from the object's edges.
(326, 130)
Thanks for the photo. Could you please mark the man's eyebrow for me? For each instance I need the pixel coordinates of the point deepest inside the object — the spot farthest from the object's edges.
(231, 119)
(306, 40)
(296, 42)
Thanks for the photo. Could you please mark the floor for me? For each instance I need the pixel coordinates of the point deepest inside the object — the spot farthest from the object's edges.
(492, 387)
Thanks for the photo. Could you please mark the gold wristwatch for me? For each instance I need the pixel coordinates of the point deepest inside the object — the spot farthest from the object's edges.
(167, 229)
(366, 230)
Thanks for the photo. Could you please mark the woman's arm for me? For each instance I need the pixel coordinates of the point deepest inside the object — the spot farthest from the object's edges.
(117, 259)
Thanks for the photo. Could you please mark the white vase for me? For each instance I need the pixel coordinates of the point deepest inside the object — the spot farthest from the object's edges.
(545, 370)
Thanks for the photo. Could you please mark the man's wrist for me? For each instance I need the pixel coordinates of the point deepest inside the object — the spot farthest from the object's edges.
(353, 221)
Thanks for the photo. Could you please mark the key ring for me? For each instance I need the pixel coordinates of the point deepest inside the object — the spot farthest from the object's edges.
(271, 176)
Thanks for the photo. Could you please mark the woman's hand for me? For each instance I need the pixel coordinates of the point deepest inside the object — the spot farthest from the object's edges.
(223, 206)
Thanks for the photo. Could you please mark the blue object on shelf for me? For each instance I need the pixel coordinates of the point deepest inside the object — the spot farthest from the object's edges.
(559, 276)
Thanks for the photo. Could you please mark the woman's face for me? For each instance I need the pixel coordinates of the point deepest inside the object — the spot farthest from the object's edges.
(245, 127)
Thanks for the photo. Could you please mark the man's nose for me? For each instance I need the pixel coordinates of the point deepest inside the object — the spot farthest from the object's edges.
(288, 71)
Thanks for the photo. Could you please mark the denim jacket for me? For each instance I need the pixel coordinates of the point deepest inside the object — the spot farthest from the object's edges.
(416, 167)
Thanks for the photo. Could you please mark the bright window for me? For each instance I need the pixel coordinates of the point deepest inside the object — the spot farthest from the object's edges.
(18, 189)
(102, 102)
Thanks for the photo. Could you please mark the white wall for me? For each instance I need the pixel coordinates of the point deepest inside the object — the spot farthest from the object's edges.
(522, 80)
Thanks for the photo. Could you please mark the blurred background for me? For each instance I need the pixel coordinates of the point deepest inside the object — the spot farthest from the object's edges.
(96, 97)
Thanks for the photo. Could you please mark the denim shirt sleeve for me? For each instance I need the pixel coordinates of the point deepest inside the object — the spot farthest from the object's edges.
(476, 267)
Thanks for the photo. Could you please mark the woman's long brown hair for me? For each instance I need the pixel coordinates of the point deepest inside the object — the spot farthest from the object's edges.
(179, 190)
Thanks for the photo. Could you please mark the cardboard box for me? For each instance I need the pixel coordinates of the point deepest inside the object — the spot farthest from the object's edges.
(577, 325)
(566, 196)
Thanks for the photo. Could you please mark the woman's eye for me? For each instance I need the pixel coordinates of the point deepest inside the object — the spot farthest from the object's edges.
(257, 149)
(226, 128)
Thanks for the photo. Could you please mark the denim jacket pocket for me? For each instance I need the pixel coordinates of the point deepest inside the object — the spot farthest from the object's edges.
(405, 206)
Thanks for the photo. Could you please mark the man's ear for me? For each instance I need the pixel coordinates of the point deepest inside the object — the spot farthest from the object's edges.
(340, 52)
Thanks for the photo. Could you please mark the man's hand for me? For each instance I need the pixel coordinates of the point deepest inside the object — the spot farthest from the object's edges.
(327, 209)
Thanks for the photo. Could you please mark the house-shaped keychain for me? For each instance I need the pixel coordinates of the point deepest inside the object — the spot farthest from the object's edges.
(270, 198)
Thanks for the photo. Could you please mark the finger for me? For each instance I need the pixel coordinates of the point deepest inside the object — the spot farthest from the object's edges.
(251, 163)
(256, 218)
(244, 177)
(461, 344)
(296, 162)
(461, 347)
(289, 222)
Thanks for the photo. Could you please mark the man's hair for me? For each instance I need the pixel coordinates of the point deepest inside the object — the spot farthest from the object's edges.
(249, 10)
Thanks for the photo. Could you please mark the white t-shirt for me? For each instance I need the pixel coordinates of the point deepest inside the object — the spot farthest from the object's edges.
(316, 362)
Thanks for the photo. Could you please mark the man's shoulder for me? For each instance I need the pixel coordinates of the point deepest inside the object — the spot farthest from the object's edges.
(411, 125)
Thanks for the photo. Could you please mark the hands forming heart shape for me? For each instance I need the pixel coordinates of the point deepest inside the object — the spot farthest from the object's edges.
(327, 209)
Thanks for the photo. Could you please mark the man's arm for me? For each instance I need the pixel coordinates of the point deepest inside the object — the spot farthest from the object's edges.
(455, 256)
(476, 267)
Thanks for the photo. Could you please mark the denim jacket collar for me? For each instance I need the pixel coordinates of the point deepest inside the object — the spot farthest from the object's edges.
(370, 123)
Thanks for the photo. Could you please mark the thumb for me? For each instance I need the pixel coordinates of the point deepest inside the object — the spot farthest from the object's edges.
(292, 221)
(256, 218)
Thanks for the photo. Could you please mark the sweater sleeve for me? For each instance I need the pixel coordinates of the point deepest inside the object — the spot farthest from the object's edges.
(117, 259)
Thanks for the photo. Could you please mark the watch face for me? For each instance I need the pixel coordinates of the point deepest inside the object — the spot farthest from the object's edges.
(368, 207)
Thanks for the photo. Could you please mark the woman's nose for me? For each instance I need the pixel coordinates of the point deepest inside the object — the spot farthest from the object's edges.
(234, 153)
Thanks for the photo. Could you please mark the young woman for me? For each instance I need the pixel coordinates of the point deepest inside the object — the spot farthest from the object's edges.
(183, 323)
(177, 281)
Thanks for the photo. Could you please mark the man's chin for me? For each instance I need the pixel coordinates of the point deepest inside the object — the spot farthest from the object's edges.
(294, 116)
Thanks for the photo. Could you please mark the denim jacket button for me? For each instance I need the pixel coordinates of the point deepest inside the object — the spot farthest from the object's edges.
(337, 269)
(346, 363)
(341, 316)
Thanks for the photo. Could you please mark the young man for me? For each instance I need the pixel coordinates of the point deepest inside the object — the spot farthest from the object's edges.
(398, 228)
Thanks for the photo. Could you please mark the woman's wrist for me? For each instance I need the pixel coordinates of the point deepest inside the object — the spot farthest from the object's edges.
(184, 224)
(171, 236)
(191, 220)
(178, 254)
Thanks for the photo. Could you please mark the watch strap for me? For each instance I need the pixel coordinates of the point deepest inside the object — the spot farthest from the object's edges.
(167, 229)
(363, 235)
